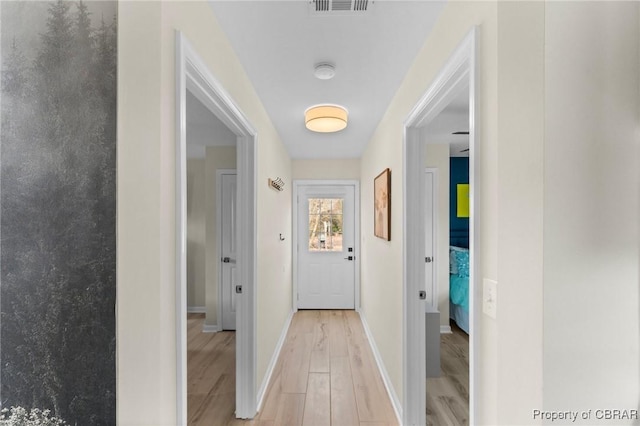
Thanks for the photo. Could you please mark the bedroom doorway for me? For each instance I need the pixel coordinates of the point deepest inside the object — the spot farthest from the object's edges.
(454, 87)
(446, 139)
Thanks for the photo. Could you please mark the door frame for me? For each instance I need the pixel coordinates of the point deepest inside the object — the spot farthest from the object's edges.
(297, 184)
(460, 71)
(192, 73)
(435, 288)
(219, 173)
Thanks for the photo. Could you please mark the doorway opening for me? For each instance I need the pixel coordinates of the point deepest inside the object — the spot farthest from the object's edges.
(446, 139)
(457, 79)
(193, 79)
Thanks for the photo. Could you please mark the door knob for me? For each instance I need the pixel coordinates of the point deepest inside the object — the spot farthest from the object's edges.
(226, 260)
(348, 258)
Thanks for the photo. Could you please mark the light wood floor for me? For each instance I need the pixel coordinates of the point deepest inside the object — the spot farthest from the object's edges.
(326, 375)
(211, 378)
(448, 395)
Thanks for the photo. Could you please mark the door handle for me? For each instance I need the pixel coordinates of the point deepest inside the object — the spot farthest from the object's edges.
(348, 258)
(228, 260)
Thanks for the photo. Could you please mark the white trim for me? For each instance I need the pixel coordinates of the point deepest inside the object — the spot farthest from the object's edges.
(435, 195)
(395, 401)
(219, 173)
(460, 72)
(210, 328)
(196, 309)
(193, 74)
(262, 392)
(181, 236)
(356, 236)
(445, 329)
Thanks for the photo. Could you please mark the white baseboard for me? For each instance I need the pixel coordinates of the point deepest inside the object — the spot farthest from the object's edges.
(445, 329)
(196, 309)
(395, 401)
(210, 328)
(274, 359)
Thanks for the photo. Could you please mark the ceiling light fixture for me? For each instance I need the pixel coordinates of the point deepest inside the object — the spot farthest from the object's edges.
(326, 118)
(325, 71)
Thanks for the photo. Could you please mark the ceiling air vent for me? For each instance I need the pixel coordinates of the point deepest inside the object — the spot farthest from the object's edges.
(338, 7)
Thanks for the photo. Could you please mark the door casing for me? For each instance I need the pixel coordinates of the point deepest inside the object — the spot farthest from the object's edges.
(460, 71)
(294, 241)
(192, 73)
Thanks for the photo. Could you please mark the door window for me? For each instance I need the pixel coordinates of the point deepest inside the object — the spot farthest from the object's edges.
(325, 224)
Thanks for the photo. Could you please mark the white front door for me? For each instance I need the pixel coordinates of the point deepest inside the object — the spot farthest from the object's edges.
(326, 249)
(430, 243)
(228, 250)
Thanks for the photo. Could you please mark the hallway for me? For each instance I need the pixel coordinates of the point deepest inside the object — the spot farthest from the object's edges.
(326, 375)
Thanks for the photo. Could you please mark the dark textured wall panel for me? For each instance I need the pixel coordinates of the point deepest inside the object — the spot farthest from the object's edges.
(58, 209)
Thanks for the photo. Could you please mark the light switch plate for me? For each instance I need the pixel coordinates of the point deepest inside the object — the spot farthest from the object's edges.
(489, 297)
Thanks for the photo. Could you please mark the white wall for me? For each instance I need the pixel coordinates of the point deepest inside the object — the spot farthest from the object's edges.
(382, 261)
(437, 156)
(145, 364)
(217, 158)
(591, 255)
(146, 352)
(518, 361)
(326, 169)
(510, 59)
(196, 233)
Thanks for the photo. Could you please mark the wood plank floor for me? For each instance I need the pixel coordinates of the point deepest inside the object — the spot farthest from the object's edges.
(448, 395)
(326, 375)
(211, 379)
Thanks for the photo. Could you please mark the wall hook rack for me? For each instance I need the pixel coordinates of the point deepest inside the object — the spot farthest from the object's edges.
(277, 184)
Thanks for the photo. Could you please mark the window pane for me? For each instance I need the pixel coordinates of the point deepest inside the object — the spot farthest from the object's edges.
(325, 224)
(326, 205)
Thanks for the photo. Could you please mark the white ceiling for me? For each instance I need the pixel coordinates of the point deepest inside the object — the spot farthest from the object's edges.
(279, 43)
(204, 129)
(453, 118)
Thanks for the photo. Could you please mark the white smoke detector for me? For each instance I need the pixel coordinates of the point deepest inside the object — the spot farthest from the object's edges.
(324, 71)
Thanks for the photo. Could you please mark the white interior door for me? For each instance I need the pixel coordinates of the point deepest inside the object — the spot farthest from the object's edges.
(326, 250)
(228, 250)
(430, 243)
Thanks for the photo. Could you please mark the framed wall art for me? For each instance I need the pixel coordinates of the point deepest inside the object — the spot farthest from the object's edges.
(382, 205)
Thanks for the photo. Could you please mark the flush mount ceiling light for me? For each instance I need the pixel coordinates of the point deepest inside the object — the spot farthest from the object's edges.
(324, 71)
(325, 118)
